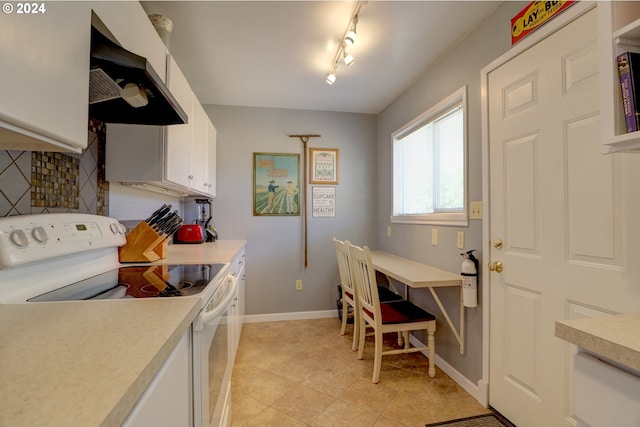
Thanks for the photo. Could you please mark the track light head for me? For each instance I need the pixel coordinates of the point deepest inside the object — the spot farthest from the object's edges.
(331, 78)
(350, 38)
(348, 58)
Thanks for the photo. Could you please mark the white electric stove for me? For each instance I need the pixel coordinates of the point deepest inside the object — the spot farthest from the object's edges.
(66, 257)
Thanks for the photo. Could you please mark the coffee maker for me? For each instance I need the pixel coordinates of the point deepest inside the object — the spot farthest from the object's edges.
(205, 219)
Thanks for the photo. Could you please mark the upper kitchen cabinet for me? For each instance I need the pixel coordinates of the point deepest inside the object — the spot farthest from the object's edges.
(618, 32)
(173, 158)
(179, 138)
(212, 134)
(45, 76)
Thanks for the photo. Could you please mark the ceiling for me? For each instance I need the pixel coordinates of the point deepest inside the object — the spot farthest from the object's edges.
(278, 53)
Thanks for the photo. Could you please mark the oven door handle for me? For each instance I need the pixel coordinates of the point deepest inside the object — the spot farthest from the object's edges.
(206, 317)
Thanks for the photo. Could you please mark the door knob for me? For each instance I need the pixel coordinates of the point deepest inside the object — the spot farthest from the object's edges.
(497, 243)
(495, 266)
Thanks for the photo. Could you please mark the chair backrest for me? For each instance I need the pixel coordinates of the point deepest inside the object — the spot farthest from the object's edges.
(364, 276)
(344, 269)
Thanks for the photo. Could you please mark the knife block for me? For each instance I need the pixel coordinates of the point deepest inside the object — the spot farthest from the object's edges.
(144, 244)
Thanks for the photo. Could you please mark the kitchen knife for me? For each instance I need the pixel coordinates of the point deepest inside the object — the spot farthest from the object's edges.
(155, 214)
(166, 219)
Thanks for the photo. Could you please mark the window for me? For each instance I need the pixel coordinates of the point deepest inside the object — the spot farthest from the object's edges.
(429, 165)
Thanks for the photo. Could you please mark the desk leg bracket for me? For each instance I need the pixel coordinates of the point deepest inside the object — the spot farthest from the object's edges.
(458, 334)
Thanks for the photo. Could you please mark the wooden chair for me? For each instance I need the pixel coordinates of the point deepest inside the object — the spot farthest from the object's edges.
(348, 290)
(391, 316)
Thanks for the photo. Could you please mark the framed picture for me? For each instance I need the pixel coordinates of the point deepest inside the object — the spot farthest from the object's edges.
(276, 184)
(323, 166)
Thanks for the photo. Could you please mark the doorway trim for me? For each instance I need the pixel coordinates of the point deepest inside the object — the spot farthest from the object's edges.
(569, 15)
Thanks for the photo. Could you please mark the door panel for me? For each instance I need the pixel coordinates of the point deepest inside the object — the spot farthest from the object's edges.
(520, 207)
(592, 233)
(522, 308)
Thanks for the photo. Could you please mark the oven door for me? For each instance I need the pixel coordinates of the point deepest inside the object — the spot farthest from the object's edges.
(212, 364)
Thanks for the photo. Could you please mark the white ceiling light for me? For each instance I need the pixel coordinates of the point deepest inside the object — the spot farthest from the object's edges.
(348, 39)
(331, 78)
(348, 58)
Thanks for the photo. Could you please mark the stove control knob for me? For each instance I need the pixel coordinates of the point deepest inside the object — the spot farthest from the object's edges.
(114, 228)
(19, 238)
(40, 234)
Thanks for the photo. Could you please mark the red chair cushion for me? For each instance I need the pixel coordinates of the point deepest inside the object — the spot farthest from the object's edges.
(403, 312)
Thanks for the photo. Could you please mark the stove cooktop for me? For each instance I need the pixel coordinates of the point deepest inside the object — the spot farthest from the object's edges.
(146, 281)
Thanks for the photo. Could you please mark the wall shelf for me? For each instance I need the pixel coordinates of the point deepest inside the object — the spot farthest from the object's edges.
(618, 31)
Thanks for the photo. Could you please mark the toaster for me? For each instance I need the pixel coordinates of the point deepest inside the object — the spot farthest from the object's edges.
(189, 233)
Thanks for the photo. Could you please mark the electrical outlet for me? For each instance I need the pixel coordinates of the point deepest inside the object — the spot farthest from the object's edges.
(460, 239)
(434, 237)
(476, 210)
(298, 285)
(388, 231)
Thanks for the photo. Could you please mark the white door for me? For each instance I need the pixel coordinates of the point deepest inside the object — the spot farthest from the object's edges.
(555, 204)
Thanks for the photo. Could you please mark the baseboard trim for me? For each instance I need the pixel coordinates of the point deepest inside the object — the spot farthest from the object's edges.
(298, 315)
(478, 392)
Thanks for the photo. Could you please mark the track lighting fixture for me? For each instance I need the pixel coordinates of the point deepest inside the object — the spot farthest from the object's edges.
(348, 39)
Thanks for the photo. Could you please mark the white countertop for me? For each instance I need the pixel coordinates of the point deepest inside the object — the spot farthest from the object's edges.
(615, 337)
(218, 251)
(86, 363)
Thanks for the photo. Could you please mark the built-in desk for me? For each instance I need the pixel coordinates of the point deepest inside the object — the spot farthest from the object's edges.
(416, 275)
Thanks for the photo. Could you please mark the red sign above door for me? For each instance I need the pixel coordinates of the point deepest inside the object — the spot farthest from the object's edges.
(534, 16)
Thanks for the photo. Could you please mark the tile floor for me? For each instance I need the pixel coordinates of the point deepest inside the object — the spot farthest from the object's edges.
(303, 373)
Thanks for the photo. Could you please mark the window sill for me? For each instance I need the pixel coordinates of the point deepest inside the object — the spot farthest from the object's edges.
(454, 220)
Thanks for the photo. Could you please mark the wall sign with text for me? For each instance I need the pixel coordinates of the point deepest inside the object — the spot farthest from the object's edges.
(324, 201)
(534, 16)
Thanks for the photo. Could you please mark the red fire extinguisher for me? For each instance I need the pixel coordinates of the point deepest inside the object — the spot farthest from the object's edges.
(469, 279)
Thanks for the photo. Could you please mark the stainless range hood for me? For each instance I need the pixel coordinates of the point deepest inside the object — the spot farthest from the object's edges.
(124, 88)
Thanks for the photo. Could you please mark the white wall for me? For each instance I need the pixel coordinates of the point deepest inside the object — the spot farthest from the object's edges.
(275, 250)
(461, 66)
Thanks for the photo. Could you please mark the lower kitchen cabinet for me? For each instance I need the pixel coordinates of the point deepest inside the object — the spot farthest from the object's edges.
(168, 401)
(237, 310)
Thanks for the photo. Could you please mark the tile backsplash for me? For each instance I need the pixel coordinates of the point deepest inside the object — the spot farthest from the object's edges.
(40, 182)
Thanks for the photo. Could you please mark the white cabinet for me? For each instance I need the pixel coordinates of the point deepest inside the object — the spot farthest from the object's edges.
(167, 158)
(199, 168)
(168, 399)
(618, 32)
(212, 136)
(179, 138)
(605, 395)
(45, 77)
(237, 309)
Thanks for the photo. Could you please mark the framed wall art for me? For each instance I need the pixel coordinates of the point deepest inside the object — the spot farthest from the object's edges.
(276, 184)
(323, 166)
